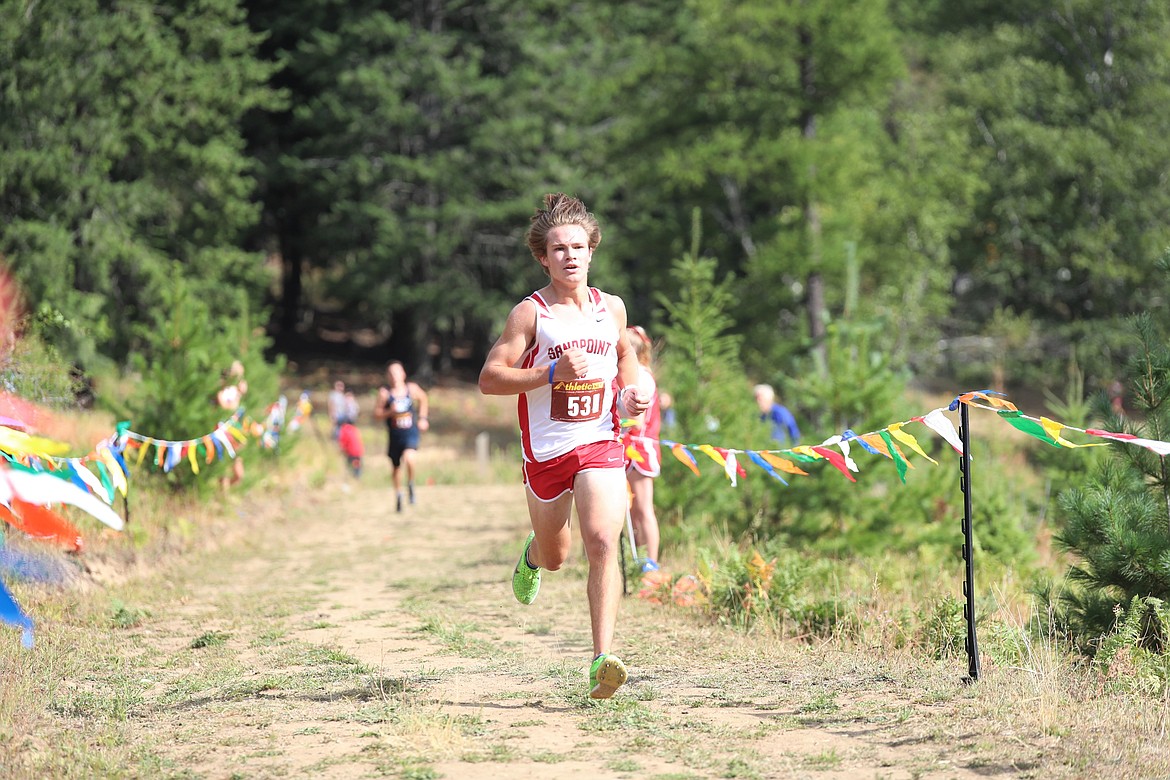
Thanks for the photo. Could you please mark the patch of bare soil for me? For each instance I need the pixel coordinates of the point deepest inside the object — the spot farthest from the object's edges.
(354, 641)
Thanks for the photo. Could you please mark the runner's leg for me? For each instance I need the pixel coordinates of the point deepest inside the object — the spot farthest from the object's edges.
(408, 461)
(396, 473)
(642, 512)
(600, 496)
(551, 524)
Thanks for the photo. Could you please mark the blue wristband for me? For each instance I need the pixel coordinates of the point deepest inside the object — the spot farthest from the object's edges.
(551, 368)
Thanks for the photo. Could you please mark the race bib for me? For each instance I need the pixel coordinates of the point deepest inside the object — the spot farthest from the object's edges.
(403, 415)
(578, 400)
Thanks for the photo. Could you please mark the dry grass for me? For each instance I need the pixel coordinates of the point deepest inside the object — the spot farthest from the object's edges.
(166, 649)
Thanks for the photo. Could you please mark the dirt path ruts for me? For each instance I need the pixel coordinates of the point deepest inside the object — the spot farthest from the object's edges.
(357, 642)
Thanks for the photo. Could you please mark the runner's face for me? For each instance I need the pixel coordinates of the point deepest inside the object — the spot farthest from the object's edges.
(396, 374)
(567, 254)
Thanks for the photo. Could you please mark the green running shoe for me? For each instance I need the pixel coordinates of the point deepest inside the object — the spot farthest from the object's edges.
(525, 579)
(606, 675)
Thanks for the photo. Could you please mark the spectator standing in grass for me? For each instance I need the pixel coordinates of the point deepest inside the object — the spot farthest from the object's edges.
(783, 425)
(352, 410)
(645, 465)
(233, 386)
(350, 440)
(336, 406)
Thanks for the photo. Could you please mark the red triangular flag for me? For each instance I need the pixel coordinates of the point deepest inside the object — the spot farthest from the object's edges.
(41, 523)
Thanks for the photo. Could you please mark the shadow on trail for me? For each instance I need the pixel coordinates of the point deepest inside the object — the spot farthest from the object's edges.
(515, 705)
(379, 689)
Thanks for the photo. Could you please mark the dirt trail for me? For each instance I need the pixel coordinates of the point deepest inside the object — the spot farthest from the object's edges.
(356, 642)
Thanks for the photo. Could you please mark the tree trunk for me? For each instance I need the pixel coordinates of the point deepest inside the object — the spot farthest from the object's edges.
(291, 286)
(424, 370)
(812, 215)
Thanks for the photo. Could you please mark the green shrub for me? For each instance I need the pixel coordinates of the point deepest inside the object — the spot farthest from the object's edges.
(124, 616)
(1005, 643)
(209, 639)
(36, 371)
(738, 585)
(779, 585)
(943, 634)
(184, 354)
(1124, 657)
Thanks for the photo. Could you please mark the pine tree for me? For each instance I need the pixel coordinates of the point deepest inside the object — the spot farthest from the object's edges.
(1118, 524)
(121, 163)
(712, 398)
(186, 350)
(703, 359)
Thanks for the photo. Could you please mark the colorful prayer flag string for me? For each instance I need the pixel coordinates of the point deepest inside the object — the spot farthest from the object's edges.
(105, 471)
(885, 442)
(36, 473)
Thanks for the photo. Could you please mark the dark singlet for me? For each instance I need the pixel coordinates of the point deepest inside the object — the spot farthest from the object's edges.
(402, 420)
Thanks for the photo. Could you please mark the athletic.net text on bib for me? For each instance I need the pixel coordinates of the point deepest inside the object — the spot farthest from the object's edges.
(578, 400)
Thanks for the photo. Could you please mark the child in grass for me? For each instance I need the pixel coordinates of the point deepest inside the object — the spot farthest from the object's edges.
(350, 440)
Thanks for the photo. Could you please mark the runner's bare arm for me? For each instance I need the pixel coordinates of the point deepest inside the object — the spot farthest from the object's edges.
(381, 412)
(646, 388)
(420, 397)
(500, 374)
(635, 402)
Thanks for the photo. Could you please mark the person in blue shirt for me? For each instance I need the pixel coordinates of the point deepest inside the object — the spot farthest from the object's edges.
(784, 428)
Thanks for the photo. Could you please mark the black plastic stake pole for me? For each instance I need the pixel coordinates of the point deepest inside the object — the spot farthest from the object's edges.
(968, 547)
(622, 561)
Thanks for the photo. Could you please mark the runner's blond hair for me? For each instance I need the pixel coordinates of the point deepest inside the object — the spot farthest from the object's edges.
(560, 210)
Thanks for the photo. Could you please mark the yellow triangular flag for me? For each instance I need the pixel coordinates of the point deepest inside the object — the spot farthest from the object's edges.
(897, 432)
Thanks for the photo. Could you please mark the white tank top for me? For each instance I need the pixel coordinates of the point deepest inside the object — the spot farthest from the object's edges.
(556, 418)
